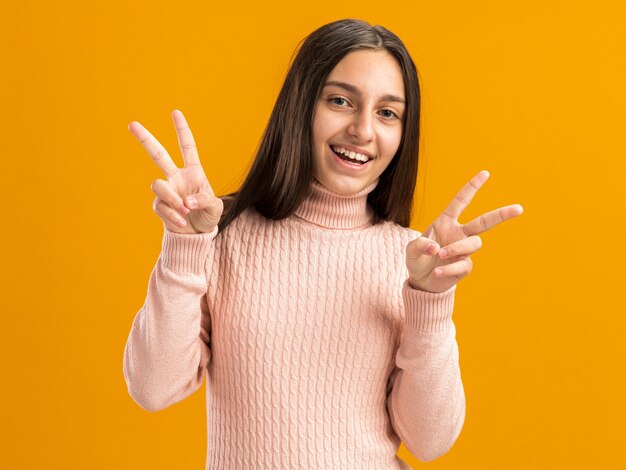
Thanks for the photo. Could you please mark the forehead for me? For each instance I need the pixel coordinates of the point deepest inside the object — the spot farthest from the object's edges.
(374, 73)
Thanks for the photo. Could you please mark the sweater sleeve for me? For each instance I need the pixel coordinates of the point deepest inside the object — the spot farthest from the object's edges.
(168, 348)
(426, 399)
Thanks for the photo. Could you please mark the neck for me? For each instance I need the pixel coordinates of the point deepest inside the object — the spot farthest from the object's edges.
(329, 209)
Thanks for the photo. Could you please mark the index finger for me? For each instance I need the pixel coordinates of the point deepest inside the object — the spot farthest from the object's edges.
(154, 148)
(465, 195)
(485, 222)
(185, 139)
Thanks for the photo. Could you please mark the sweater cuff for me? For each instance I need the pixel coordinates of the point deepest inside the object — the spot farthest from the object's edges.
(183, 252)
(428, 312)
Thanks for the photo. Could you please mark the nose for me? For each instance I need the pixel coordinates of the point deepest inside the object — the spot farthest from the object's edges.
(362, 126)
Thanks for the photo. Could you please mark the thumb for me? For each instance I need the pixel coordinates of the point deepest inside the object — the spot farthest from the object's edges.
(201, 200)
(206, 210)
(422, 246)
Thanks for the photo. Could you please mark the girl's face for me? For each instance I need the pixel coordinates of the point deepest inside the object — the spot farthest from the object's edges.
(360, 110)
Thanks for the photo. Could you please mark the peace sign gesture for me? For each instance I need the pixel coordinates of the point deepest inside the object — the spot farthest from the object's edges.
(424, 256)
(185, 200)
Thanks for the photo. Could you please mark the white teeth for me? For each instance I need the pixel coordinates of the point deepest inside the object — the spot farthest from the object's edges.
(352, 155)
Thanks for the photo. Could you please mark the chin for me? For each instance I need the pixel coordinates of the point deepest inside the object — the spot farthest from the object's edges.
(338, 185)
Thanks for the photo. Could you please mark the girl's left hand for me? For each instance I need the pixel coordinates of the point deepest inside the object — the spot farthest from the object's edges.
(429, 268)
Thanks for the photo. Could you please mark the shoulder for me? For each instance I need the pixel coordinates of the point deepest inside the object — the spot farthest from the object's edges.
(248, 220)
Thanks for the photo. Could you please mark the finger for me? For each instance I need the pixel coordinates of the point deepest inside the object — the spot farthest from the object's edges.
(490, 219)
(459, 269)
(185, 139)
(166, 193)
(154, 148)
(422, 246)
(167, 214)
(467, 246)
(465, 195)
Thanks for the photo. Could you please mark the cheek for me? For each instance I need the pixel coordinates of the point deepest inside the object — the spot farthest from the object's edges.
(392, 141)
(322, 129)
(317, 131)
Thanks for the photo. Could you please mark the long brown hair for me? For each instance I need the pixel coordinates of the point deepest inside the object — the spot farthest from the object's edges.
(281, 172)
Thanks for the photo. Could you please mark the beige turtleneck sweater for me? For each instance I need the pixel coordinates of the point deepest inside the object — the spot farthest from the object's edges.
(317, 352)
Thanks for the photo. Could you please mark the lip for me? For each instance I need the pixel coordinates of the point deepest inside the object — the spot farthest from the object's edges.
(349, 166)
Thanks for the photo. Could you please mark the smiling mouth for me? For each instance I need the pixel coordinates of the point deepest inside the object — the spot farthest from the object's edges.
(340, 152)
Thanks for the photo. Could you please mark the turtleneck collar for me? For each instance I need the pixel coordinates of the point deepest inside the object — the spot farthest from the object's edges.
(329, 209)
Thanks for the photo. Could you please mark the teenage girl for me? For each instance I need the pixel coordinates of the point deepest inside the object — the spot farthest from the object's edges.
(322, 322)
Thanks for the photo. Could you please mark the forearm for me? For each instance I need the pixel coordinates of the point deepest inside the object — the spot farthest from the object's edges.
(427, 400)
(167, 349)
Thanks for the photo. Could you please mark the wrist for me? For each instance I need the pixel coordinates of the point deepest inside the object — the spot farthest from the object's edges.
(415, 285)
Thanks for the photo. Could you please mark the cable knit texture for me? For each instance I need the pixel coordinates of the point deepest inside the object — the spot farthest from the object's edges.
(317, 352)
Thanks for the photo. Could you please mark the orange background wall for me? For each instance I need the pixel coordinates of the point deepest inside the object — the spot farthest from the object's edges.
(532, 91)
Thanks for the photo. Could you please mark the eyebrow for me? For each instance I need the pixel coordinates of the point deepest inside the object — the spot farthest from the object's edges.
(356, 91)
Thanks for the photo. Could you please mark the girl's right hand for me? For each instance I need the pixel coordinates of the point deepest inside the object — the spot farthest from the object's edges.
(173, 204)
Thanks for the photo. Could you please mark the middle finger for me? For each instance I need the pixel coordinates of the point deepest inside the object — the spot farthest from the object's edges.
(154, 148)
(465, 195)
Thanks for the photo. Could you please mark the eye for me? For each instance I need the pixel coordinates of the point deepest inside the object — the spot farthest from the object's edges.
(391, 115)
(334, 100)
